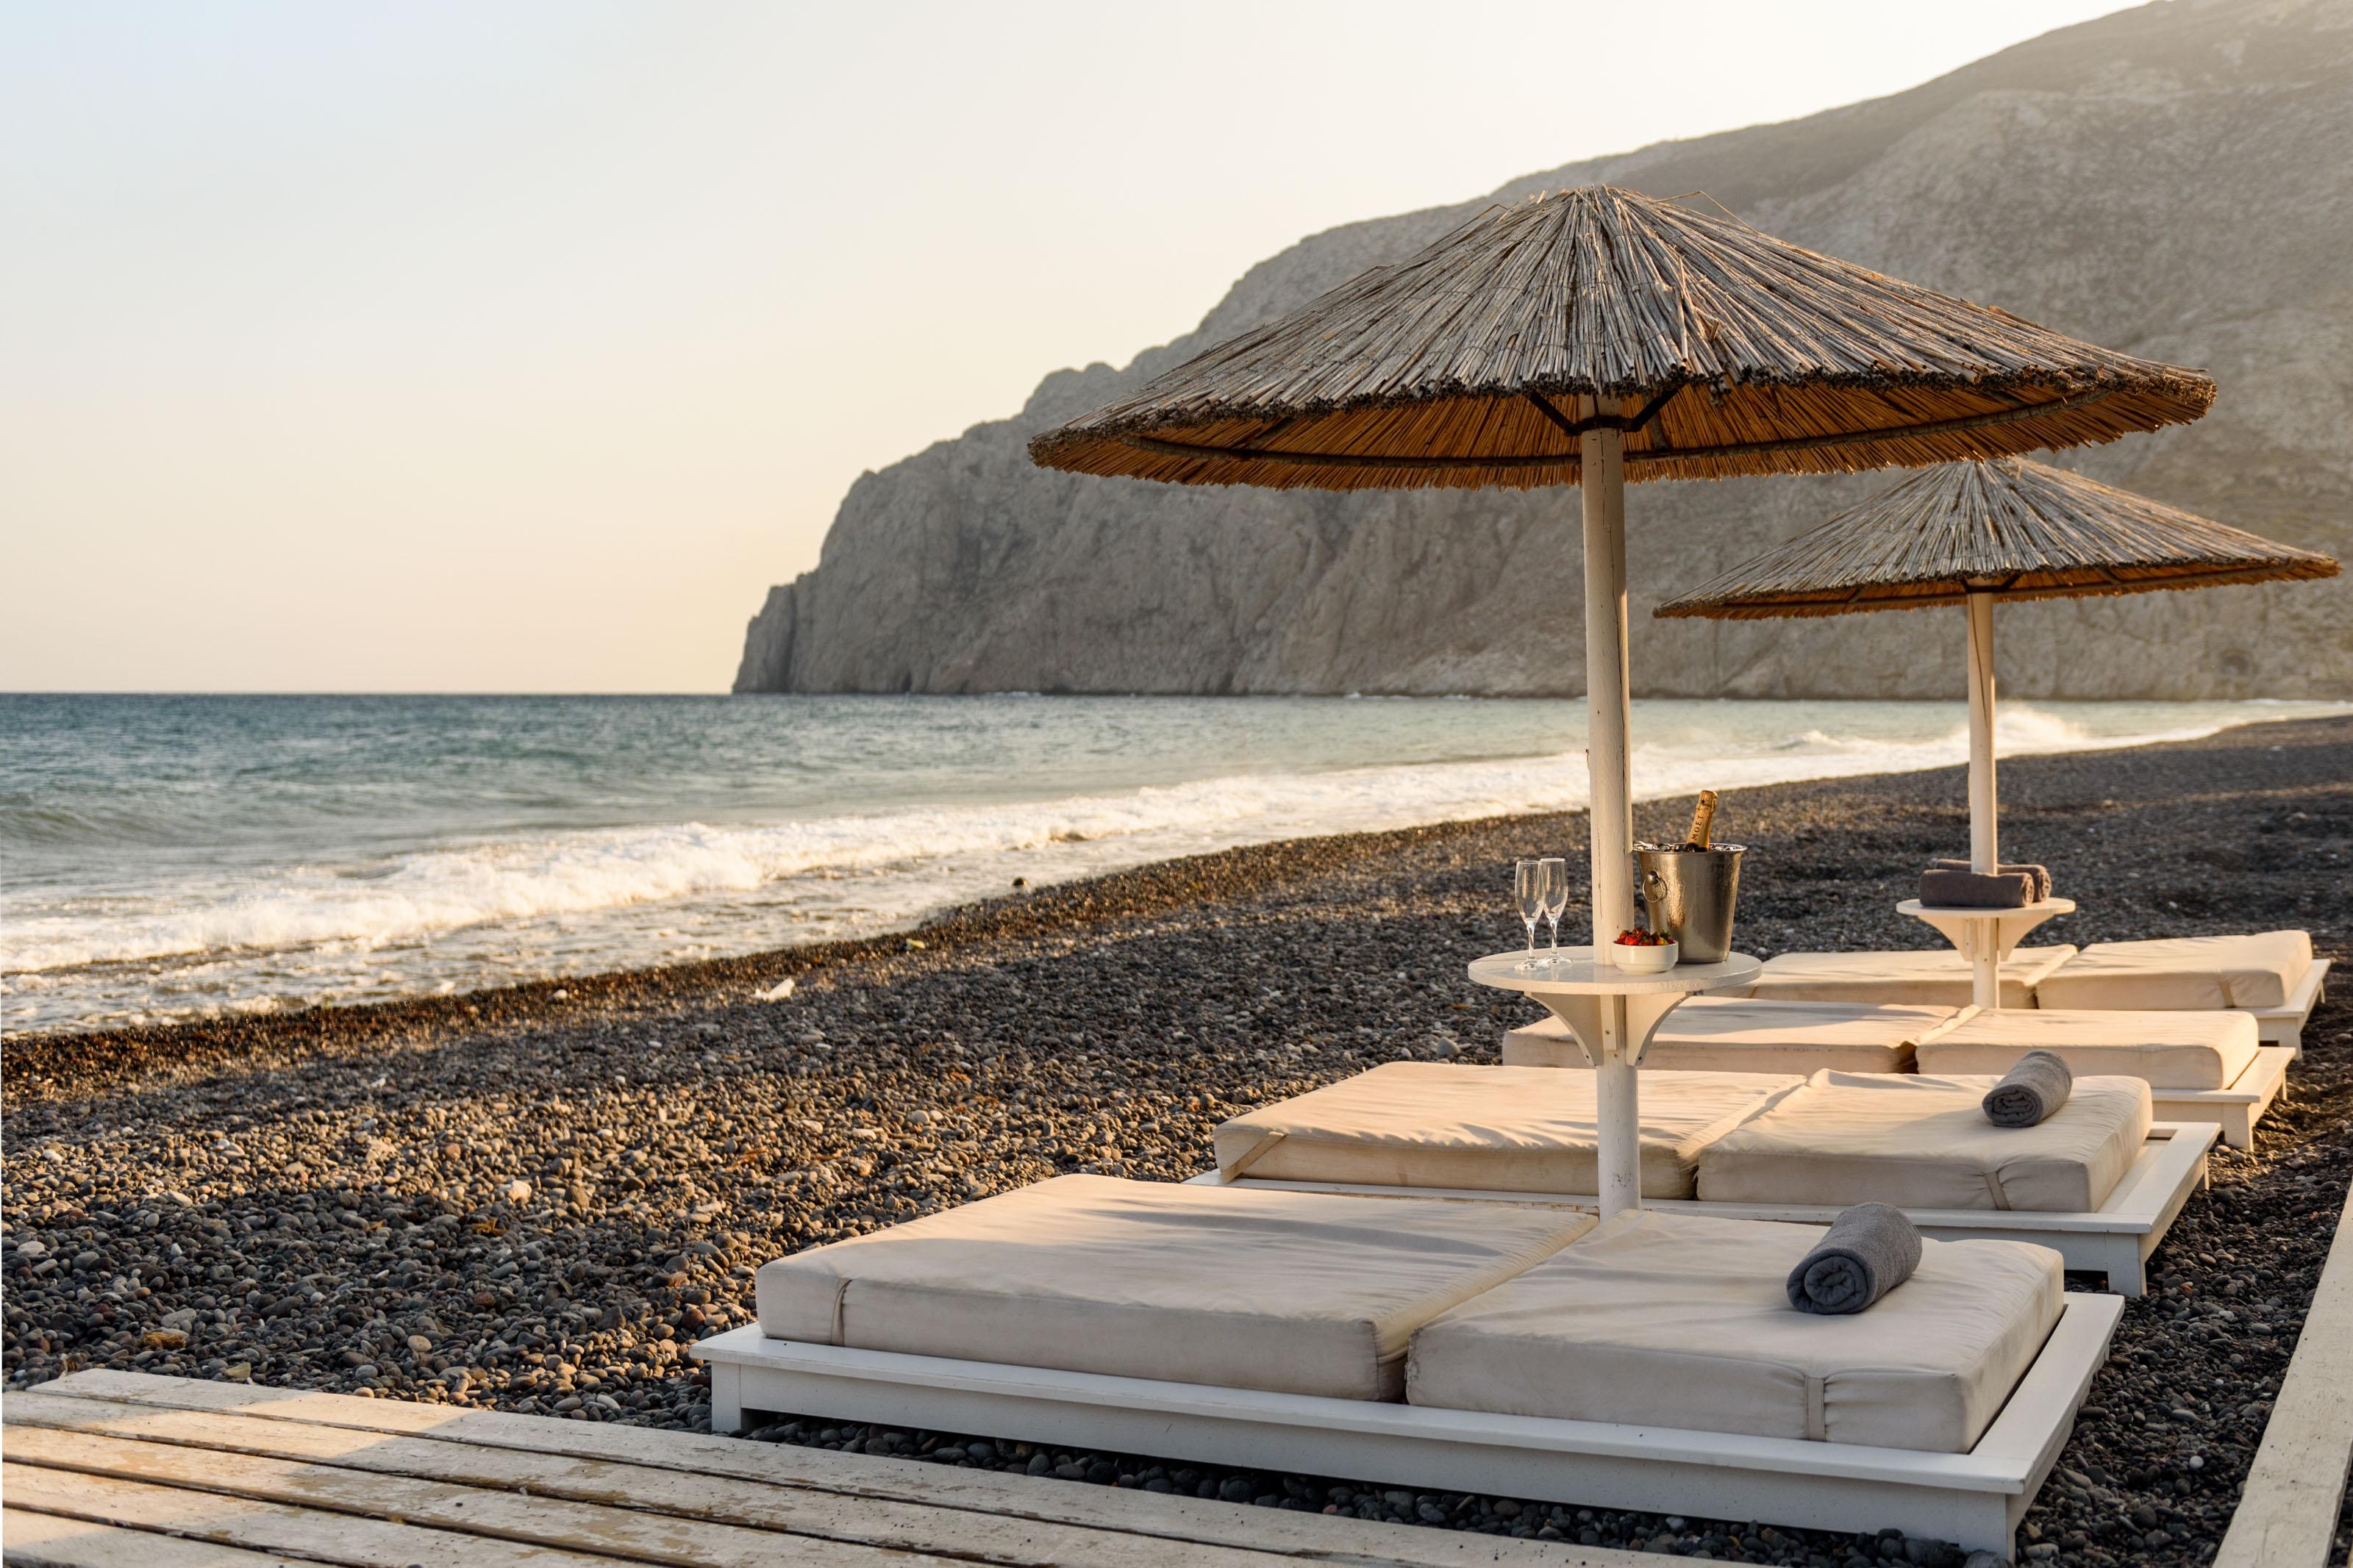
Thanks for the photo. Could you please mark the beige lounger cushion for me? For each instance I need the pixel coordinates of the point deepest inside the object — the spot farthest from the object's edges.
(2189, 972)
(1287, 1292)
(1659, 1320)
(2164, 1050)
(1923, 1142)
(1498, 1130)
(1722, 1034)
(1927, 979)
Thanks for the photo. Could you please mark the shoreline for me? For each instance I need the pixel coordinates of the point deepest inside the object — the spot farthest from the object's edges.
(510, 1201)
(433, 909)
(1154, 886)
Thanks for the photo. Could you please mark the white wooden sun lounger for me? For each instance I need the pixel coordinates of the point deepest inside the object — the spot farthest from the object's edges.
(2100, 1183)
(1976, 1041)
(1387, 1340)
(2284, 1025)
(2115, 1241)
(2235, 1109)
(2274, 975)
(1975, 1498)
(2106, 975)
(1768, 1035)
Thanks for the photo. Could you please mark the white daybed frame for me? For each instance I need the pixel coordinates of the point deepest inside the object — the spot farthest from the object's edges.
(2284, 1025)
(2116, 1239)
(2235, 1109)
(2281, 1025)
(1974, 1499)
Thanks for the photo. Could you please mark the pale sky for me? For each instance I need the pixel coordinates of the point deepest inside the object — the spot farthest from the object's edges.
(518, 345)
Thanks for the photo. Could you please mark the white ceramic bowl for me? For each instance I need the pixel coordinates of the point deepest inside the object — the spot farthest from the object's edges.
(1645, 960)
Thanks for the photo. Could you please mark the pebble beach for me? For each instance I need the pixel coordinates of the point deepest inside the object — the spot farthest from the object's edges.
(536, 1199)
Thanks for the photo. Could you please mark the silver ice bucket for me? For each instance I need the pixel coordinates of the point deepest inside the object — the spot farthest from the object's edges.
(1689, 895)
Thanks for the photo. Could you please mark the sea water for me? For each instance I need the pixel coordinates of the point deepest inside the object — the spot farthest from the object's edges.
(167, 858)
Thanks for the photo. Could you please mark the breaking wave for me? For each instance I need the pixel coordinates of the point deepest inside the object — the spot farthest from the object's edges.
(914, 859)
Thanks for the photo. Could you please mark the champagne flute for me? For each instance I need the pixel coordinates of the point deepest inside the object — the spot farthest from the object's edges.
(1528, 890)
(1556, 898)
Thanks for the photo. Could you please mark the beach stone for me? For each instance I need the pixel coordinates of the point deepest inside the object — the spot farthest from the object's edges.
(1074, 1040)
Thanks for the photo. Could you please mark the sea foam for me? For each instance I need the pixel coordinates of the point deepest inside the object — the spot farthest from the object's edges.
(412, 897)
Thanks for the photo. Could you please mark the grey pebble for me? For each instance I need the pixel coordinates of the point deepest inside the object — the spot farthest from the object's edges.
(324, 1200)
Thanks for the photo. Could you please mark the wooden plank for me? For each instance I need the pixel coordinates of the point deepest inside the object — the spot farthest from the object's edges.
(900, 1526)
(1198, 1520)
(43, 1540)
(548, 1523)
(344, 1539)
(2287, 1512)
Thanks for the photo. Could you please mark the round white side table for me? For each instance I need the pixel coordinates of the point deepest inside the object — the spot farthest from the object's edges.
(1985, 937)
(1613, 1013)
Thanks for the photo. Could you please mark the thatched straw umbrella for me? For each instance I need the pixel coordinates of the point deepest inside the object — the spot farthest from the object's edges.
(1593, 337)
(1972, 533)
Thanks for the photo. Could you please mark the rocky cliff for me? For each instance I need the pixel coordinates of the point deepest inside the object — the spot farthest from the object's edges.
(2171, 181)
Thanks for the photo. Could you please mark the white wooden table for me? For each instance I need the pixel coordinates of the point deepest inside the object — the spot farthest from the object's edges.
(1985, 937)
(1613, 1013)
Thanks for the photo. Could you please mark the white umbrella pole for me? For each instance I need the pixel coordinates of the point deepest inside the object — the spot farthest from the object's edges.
(1601, 454)
(1984, 851)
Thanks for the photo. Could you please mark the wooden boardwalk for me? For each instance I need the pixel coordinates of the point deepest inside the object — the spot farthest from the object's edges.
(106, 1469)
(2288, 1514)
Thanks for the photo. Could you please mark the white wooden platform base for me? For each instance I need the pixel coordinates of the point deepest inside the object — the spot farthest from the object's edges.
(2115, 1241)
(2288, 1511)
(2235, 1109)
(2285, 1026)
(108, 1469)
(1975, 1498)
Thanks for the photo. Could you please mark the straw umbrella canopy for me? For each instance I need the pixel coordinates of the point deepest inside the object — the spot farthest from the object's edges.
(2008, 528)
(1972, 533)
(1597, 336)
(1733, 353)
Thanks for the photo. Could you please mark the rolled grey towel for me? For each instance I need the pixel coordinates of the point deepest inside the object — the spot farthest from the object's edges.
(1868, 1251)
(2031, 1091)
(2042, 874)
(1943, 889)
